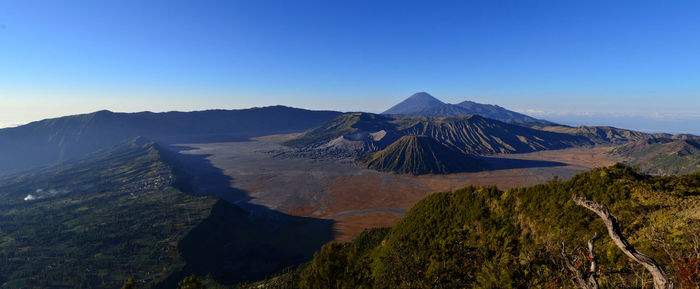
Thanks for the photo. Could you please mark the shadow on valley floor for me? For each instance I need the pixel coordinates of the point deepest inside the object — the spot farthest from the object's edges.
(506, 163)
(239, 241)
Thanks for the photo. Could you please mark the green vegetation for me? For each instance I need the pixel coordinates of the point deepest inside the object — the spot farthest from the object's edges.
(95, 222)
(420, 155)
(662, 156)
(487, 238)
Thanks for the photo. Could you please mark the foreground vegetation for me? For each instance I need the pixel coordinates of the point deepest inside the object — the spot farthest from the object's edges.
(487, 238)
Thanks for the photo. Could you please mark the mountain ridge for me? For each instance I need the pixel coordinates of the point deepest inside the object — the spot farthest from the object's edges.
(662, 155)
(359, 133)
(48, 141)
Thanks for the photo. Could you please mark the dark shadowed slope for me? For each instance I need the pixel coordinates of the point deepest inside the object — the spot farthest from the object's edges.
(122, 212)
(417, 155)
(94, 222)
(47, 141)
(662, 155)
(415, 103)
(239, 241)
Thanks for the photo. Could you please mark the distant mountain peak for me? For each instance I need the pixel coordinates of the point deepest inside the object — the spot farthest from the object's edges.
(414, 103)
(422, 95)
(422, 103)
(103, 112)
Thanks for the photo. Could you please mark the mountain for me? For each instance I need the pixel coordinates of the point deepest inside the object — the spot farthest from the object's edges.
(415, 103)
(359, 133)
(662, 155)
(48, 141)
(600, 134)
(499, 113)
(129, 211)
(486, 110)
(426, 105)
(443, 110)
(413, 154)
(486, 238)
(477, 135)
(356, 132)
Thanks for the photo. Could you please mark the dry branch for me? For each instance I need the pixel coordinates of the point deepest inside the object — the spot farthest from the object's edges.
(661, 281)
(584, 280)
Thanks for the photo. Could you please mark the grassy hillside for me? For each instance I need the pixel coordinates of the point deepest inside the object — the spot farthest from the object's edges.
(663, 155)
(94, 222)
(420, 155)
(487, 238)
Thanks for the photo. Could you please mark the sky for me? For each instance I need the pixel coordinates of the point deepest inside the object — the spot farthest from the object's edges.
(632, 64)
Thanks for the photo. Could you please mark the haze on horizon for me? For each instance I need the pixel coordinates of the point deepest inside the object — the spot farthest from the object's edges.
(629, 64)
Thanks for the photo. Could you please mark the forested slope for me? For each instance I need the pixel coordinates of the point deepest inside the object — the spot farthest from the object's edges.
(487, 238)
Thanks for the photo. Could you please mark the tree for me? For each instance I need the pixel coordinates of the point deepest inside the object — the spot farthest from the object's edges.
(584, 279)
(661, 280)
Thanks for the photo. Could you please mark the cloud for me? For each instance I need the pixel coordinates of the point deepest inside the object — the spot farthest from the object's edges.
(30, 197)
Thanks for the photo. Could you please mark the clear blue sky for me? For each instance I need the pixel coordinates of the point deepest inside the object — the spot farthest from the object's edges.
(570, 61)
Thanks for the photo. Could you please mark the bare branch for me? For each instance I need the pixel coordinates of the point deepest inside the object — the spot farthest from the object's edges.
(594, 264)
(584, 280)
(661, 281)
